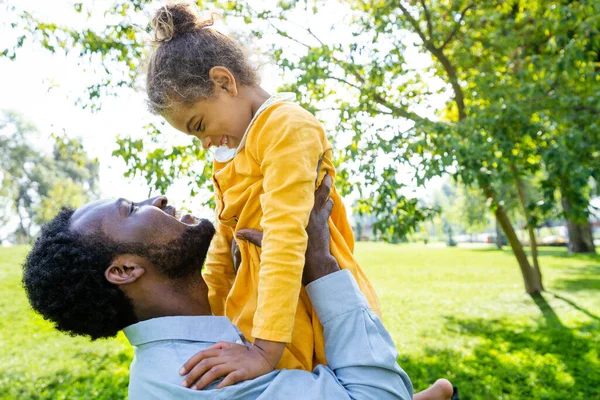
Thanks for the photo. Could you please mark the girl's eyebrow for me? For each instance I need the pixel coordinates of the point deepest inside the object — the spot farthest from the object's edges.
(189, 123)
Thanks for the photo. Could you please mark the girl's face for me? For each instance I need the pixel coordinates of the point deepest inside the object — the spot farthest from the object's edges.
(219, 120)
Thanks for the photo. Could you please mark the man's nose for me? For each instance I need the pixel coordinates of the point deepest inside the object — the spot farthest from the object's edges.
(158, 201)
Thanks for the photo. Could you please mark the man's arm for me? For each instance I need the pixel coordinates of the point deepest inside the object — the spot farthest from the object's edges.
(360, 352)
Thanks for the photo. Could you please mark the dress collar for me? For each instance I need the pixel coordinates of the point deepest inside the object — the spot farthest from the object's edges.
(224, 154)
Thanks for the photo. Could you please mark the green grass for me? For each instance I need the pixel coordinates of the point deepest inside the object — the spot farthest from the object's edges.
(37, 362)
(463, 314)
(453, 312)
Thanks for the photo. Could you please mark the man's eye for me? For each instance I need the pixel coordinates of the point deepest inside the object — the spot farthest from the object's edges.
(199, 127)
(132, 208)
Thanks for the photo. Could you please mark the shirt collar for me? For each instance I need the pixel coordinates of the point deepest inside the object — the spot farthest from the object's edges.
(193, 328)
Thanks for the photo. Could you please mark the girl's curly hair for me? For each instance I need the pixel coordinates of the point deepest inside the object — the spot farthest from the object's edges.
(186, 50)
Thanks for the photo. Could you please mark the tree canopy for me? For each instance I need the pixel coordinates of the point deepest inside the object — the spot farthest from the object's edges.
(516, 83)
(36, 183)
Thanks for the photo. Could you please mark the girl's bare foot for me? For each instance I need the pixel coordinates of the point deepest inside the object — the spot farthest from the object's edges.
(440, 390)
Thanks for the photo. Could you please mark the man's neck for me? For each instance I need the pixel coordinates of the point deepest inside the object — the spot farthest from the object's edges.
(169, 298)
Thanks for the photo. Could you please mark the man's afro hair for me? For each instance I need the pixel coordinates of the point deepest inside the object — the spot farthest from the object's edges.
(64, 280)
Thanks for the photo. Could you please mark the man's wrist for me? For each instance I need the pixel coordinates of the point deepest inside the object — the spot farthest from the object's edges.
(335, 294)
(325, 266)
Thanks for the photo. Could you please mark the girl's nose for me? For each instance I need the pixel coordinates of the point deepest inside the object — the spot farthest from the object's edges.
(206, 143)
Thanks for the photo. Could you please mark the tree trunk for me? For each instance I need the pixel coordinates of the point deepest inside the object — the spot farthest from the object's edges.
(530, 229)
(534, 254)
(533, 283)
(581, 239)
(498, 235)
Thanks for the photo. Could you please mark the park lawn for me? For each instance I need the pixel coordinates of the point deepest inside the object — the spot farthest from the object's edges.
(37, 362)
(453, 312)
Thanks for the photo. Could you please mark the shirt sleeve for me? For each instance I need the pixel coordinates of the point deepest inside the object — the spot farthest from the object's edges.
(218, 272)
(361, 355)
(360, 352)
(288, 148)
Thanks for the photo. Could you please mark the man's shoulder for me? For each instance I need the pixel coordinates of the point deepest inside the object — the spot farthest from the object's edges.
(154, 375)
(155, 368)
(163, 345)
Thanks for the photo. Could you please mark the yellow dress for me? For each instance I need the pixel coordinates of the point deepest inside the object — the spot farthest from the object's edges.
(270, 186)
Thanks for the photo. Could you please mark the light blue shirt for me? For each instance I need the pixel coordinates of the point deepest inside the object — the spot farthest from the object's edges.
(359, 350)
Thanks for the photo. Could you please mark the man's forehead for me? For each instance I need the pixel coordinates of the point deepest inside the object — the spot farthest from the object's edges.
(93, 213)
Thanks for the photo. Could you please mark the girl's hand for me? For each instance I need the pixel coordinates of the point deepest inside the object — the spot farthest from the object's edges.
(233, 361)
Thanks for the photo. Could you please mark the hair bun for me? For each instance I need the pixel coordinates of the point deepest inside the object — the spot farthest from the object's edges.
(176, 19)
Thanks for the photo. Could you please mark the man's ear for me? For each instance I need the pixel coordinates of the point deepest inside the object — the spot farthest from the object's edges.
(223, 79)
(124, 269)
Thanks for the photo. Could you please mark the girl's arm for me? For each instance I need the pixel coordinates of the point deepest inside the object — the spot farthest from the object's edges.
(288, 150)
(288, 147)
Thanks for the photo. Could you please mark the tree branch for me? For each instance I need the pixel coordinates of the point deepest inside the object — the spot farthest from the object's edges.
(453, 78)
(314, 36)
(394, 110)
(287, 36)
(346, 82)
(443, 59)
(428, 20)
(456, 26)
(413, 22)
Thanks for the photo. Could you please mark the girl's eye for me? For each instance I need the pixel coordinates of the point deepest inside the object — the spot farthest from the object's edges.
(132, 208)
(199, 128)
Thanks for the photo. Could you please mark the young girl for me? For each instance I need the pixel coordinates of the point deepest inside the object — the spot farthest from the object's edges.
(265, 174)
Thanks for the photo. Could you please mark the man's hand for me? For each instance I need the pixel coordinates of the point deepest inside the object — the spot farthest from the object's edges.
(235, 362)
(319, 261)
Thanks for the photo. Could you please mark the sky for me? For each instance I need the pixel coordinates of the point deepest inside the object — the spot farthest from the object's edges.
(43, 88)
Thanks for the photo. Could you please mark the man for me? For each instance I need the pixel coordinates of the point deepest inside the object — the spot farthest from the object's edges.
(113, 265)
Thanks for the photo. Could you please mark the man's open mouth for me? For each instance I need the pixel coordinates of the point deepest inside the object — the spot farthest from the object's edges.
(185, 218)
(171, 211)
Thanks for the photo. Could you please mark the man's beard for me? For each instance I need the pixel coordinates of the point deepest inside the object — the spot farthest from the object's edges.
(183, 257)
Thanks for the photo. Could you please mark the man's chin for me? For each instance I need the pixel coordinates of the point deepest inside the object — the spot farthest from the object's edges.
(183, 257)
(201, 229)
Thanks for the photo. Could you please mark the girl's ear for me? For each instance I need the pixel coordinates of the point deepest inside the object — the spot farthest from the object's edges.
(224, 80)
(124, 269)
